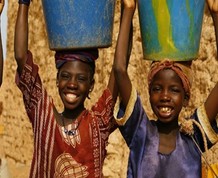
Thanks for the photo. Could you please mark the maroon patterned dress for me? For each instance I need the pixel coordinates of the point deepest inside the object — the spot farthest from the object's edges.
(55, 153)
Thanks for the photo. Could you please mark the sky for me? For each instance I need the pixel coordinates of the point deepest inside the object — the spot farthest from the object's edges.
(4, 28)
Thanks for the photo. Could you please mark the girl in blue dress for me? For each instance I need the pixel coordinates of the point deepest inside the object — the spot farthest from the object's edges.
(163, 148)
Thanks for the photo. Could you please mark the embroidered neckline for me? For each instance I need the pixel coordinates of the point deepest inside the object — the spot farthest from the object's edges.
(75, 124)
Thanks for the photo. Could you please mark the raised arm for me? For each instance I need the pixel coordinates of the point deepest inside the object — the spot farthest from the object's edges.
(211, 104)
(123, 49)
(1, 50)
(21, 34)
(213, 7)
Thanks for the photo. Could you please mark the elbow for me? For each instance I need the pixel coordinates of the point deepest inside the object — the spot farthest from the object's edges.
(20, 59)
(119, 71)
(20, 56)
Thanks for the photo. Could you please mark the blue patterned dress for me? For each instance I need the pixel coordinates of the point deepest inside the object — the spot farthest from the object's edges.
(142, 137)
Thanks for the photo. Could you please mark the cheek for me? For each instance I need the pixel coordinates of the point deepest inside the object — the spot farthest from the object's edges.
(61, 84)
(153, 97)
(179, 100)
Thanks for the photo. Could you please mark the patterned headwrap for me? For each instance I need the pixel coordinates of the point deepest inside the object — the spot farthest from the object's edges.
(85, 55)
(183, 71)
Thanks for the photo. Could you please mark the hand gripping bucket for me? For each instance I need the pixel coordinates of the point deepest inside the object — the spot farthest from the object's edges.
(171, 28)
(73, 24)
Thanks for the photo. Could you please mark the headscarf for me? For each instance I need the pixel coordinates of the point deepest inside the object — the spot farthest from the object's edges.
(183, 71)
(85, 55)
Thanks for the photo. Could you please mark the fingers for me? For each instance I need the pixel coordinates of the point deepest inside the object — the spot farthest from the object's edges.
(26, 2)
(129, 3)
(213, 5)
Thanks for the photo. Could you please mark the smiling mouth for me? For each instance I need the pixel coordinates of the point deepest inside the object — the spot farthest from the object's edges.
(70, 97)
(165, 110)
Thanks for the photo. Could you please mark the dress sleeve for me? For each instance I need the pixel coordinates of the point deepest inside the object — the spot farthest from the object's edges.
(30, 84)
(209, 129)
(103, 111)
(132, 120)
(124, 113)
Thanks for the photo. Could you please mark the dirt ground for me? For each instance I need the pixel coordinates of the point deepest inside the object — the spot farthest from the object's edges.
(16, 138)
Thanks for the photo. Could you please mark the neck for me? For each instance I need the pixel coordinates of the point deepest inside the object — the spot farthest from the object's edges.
(73, 114)
(167, 128)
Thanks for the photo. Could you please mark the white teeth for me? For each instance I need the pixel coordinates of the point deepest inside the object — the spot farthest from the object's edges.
(165, 109)
(70, 96)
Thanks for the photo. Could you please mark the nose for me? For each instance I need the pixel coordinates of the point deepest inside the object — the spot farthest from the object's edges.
(165, 97)
(72, 84)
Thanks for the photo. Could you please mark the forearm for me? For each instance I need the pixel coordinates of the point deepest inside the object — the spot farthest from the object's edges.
(211, 104)
(21, 36)
(215, 22)
(2, 3)
(122, 54)
(1, 59)
(124, 40)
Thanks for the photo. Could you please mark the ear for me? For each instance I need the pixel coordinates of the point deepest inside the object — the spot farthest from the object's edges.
(186, 99)
(92, 85)
(57, 83)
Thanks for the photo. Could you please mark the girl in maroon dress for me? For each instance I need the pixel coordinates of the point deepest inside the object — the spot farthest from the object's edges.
(71, 143)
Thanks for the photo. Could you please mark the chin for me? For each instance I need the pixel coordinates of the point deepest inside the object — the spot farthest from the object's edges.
(166, 120)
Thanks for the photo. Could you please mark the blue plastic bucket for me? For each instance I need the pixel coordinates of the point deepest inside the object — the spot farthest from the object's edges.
(171, 28)
(73, 24)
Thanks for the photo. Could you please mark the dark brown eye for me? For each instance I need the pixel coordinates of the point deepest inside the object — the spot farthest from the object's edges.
(64, 76)
(155, 88)
(175, 89)
(82, 78)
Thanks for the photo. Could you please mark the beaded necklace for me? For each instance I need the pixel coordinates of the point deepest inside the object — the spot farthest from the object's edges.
(72, 131)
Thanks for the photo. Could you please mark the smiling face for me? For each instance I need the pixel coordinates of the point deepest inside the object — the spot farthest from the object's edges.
(74, 83)
(167, 96)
